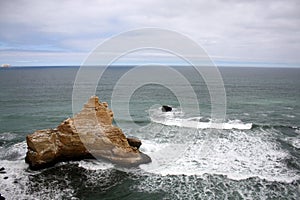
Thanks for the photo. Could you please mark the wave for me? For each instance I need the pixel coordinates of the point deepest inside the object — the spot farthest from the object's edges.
(237, 154)
(239, 157)
(8, 136)
(15, 169)
(94, 164)
(176, 118)
(294, 141)
(14, 152)
(270, 126)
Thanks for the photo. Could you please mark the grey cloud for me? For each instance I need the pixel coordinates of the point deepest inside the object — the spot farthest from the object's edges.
(259, 30)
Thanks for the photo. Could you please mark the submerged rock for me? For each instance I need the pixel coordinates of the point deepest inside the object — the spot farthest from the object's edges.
(165, 108)
(89, 134)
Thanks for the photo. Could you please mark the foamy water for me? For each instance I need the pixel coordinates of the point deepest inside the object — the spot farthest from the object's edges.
(176, 118)
(237, 152)
(238, 156)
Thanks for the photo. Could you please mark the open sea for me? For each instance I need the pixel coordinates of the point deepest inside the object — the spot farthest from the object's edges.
(256, 155)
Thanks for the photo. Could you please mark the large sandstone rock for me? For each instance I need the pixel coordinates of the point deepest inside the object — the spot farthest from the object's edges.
(89, 134)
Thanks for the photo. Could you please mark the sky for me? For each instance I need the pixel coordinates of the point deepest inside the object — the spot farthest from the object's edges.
(232, 32)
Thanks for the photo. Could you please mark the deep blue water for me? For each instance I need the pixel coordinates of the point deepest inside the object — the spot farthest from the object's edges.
(257, 162)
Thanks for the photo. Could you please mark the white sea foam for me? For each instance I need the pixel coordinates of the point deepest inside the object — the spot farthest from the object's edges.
(7, 136)
(94, 165)
(17, 183)
(16, 180)
(239, 155)
(288, 115)
(294, 141)
(16, 175)
(149, 147)
(14, 152)
(176, 118)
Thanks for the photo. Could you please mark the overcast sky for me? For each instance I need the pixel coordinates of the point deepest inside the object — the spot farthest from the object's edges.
(63, 32)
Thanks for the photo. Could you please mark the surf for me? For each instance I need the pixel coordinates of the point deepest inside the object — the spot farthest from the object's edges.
(177, 118)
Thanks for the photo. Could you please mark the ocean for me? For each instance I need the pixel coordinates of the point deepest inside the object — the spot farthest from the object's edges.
(256, 155)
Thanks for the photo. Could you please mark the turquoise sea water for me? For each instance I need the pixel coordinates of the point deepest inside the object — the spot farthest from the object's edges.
(256, 157)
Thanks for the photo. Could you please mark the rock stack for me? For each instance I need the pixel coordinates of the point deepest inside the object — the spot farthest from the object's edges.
(89, 134)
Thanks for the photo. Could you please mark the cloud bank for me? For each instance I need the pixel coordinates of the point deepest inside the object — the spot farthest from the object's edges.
(64, 32)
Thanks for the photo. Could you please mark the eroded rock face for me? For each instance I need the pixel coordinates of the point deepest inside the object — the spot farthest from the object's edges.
(89, 134)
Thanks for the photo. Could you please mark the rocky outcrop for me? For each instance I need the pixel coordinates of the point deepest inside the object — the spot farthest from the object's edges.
(89, 134)
(165, 108)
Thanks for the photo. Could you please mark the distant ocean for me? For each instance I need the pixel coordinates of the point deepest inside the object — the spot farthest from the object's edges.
(255, 156)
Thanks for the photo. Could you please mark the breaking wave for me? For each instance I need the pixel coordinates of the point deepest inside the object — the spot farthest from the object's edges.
(239, 155)
(177, 118)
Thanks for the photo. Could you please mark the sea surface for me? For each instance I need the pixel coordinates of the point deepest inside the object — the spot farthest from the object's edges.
(256, 155)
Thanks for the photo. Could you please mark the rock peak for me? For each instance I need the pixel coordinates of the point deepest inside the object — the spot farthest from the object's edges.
(88, 134)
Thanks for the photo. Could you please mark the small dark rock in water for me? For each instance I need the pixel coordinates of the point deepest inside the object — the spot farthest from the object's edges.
(2, 170)
(1, 197)
(134, 142)
(165, 108)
